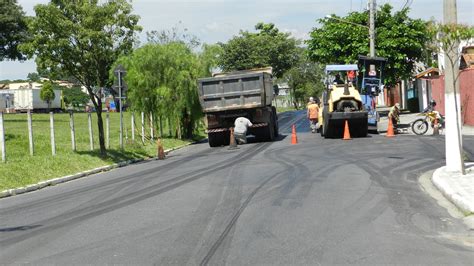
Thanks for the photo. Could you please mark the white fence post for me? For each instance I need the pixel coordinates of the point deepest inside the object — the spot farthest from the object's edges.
(51, 128)
(2, 138)
(151, 127)
(161, 126)
(30, 133)
(107, 129)
(91, 136)
(143, 127)
(133, 126)
(73, 131)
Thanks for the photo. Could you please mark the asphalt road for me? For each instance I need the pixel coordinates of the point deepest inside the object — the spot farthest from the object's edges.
(318, 202)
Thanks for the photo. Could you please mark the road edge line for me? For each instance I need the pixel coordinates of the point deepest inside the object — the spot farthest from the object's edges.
(58, 180)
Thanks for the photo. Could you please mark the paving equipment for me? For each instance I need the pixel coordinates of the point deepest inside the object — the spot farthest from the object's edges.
(248, 93)
(371, 85)
(342, 102)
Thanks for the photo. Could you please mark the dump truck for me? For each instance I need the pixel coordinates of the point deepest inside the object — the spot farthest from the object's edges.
(248, 93)
(341, 102)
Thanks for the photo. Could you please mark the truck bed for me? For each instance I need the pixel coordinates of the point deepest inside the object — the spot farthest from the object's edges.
(238, 91)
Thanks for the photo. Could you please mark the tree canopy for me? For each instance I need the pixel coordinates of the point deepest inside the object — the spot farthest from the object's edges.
(47, 93)
(75, 96)
(267, 47)
(13, 30)
(161, 79)
(82, 39)
(400, 39)
(305, 79)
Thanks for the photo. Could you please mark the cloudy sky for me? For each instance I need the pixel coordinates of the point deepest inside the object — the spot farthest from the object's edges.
(218, 20)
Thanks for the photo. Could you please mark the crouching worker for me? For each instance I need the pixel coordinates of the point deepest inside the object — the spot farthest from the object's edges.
(241, 125)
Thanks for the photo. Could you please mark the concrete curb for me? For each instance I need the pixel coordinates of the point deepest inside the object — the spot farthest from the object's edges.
(459, 189)
(59, 180)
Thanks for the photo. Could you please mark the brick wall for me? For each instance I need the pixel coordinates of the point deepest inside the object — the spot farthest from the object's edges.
(466, 86)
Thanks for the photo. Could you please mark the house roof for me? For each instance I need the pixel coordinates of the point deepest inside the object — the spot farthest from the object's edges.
(429, 73)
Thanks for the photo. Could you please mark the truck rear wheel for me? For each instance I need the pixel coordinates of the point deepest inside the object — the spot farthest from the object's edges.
(266, 133)
(217, 139)
(275, 122)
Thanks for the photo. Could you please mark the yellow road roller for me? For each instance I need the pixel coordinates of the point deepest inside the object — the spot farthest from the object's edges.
(341, 102)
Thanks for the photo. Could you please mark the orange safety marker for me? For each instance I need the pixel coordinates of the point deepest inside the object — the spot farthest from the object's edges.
(436, 127)
(160, 150)
(347, 134)
(232, 143)
(390, 132)
(294, 139)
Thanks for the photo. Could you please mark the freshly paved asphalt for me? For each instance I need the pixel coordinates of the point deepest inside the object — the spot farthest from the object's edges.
(322, 201)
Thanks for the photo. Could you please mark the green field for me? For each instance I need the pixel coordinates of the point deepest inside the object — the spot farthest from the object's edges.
(22, 169)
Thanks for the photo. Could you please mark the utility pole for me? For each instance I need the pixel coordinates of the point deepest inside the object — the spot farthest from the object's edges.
(372, 27)
(453, 138)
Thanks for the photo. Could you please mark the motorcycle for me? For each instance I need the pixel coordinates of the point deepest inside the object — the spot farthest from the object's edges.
(420, 126)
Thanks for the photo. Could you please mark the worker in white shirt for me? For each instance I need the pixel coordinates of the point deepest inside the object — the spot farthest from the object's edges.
(241, 125)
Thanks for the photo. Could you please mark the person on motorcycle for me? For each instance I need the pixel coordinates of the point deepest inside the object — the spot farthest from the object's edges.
(430, 107)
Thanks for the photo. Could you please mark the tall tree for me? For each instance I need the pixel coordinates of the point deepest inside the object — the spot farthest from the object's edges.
(400, 39)
(267, 47)
(161, 79)
(305, 79)
(75, 96)
(209, 58)
(13, 30)
(449, 37)
(47, 93)
(33, 77)
(82, 39)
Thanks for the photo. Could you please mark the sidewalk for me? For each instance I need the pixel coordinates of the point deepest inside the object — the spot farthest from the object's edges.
(405, 123)
(459, 189)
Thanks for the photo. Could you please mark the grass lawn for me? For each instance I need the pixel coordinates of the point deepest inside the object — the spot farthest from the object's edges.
(22, 169)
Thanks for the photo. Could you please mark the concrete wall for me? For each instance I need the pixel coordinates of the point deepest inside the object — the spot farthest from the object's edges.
(466, 86)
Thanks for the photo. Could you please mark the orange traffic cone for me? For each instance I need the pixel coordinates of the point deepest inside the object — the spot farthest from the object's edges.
(436, 127)
(347, 134)
(232, 144)
(390, 132)
(294, 139)
(160, 150)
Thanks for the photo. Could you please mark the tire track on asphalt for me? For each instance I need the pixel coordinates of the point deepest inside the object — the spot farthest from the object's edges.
(289, 168)
(232, 222)
(85, 213)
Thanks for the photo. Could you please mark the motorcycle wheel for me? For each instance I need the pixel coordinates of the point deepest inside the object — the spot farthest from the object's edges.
(419, 127)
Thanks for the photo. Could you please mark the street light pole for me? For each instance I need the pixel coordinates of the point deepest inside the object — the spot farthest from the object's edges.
(372, 27)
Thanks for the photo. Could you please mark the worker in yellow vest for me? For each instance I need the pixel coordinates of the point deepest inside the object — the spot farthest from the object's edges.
(312, 114)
